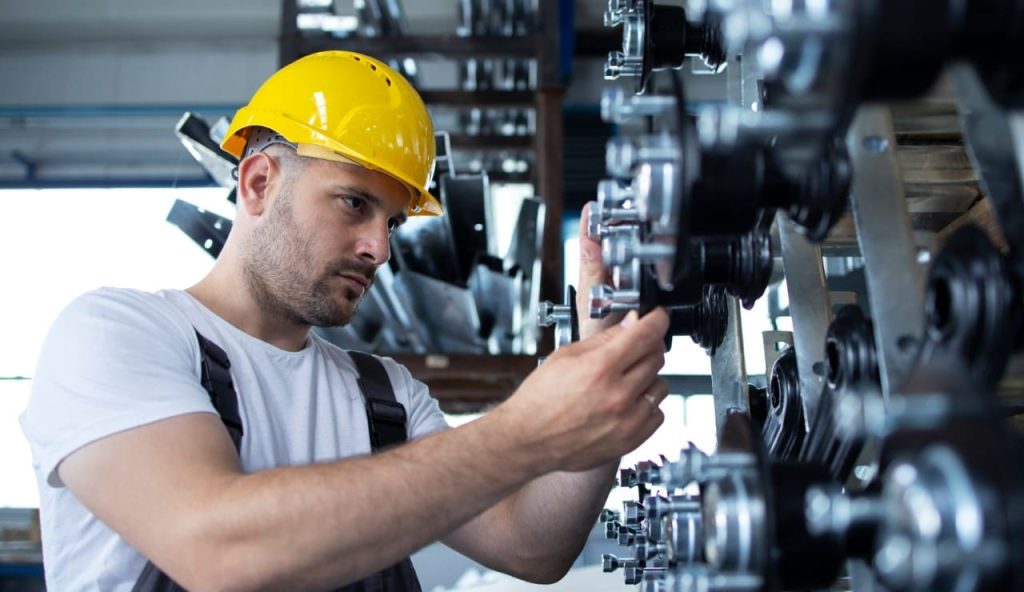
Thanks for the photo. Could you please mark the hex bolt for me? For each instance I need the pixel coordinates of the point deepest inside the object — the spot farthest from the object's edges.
(648, 550)
(549, 313)
(620, 250)
(611, 530)
(627, 536)
(633, 574)
(829, 511)
(618, 107)
(632, 513)
(595, 224)
(648, 472)
(614, 204)
(619, 64)
(610, 563)
(613, 196)
(694, 465)
(619, 156)
(606, 300)
(658, 506)
(607, 516)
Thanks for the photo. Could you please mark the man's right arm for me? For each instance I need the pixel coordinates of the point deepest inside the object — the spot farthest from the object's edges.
(174, 489)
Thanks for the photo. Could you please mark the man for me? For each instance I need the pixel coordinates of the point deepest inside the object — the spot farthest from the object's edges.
(134, 463)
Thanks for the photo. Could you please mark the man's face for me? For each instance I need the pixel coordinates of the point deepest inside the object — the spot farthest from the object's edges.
(314, 253)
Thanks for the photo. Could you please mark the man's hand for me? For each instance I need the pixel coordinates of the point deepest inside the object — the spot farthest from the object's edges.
(595, 400)
(592, 273)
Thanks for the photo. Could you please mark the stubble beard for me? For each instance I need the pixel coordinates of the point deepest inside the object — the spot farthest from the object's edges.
(277, 273)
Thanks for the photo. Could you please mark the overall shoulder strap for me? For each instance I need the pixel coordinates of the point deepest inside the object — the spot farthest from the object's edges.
(215, 375)
(384, 414)
(216, 379)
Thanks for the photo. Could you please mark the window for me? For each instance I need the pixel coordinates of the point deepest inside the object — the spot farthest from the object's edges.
(57, 244)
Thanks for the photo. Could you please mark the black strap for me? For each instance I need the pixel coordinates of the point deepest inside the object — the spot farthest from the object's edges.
(385, 415)
(387, 421)
(216, 379)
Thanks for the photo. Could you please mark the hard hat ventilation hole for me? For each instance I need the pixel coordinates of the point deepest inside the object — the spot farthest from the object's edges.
(388, 80)
(356, 58)
(373, 67)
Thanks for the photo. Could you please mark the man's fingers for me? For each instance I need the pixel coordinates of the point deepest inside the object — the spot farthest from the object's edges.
(639, 376)
(592, 271)
(638, 339)
(656, 391)
(643, 420)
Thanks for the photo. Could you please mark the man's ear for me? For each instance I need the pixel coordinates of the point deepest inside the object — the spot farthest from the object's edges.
(254, 179)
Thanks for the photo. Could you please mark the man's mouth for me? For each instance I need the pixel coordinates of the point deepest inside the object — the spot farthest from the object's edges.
(362, 281)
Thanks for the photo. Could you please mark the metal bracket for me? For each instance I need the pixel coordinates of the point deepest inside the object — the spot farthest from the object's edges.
(771, 340)
(810, 308)
(728, 370)
(895, 281)
(206, 229)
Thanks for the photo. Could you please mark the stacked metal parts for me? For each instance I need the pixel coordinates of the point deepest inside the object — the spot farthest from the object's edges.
(448, 287)
(364, 18)
(496, 19)
(881, 455)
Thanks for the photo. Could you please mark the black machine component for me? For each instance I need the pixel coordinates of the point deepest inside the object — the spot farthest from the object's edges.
(704, 322)
(973, 306)
(784, 426)
(736, 185)
(912, 40)
(742, 265)
(851, 369)
(659, 37)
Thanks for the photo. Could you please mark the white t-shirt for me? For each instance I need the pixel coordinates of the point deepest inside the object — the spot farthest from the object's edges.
(117, 359)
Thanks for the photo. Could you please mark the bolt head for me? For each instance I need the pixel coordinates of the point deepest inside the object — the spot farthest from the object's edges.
(545, 313)
(632, 513)
(613, 102)
(620, 155)
(609, 563)
(601, 298)
(595, 228)
(648, 472)
(632, 575)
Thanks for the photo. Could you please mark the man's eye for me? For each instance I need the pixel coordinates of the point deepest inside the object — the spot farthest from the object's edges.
(393, 224)
(355, 203)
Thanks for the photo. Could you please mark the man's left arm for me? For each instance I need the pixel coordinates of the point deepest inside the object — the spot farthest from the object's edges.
(541, 529)
(537, 533)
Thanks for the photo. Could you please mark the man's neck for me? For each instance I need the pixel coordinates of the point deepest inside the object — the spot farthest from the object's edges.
(228, 297)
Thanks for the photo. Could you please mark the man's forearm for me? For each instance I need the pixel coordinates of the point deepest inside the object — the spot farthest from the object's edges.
(323, 524)
(554, 514)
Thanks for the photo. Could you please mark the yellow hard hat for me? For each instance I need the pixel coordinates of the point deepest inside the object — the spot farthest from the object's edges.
(345, 106)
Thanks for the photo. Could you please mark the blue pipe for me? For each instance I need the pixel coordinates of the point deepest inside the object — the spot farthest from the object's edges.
(114, 110)
(113, 183)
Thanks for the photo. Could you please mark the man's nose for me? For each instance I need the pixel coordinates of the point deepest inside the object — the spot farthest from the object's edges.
(375, 243)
